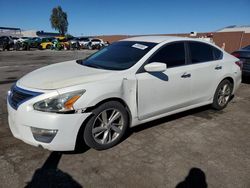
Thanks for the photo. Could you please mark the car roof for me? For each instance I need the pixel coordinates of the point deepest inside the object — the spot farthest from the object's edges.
(160, 39)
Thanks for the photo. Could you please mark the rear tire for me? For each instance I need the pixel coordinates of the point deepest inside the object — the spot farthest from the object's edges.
(222, 95)
(107, 126)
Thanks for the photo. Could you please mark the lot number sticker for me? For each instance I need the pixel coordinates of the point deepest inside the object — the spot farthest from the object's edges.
(140, 46)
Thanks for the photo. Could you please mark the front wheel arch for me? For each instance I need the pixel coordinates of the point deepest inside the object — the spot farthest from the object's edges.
(115, 99)
(80, 143)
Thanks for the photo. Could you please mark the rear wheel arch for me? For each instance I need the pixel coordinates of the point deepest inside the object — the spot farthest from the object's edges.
(230, 79)
(223, 92)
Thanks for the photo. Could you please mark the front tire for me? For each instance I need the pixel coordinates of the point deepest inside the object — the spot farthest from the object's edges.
(107, 126)
(48, 46)
(90, 47)
(222, 95)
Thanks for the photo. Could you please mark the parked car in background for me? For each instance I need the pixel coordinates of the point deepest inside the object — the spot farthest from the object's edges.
(25, 43)
(54, 43)
(84, 42)
(35, 42)
(15, 39)
(96, 43)
(74, 43)
(6, 42)
(244, 55)
(22, 39)
(73, 40)
(60, 43)
(46, 43)
(130, 82)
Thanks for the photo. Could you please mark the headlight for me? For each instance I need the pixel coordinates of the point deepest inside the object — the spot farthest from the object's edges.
(61, 103)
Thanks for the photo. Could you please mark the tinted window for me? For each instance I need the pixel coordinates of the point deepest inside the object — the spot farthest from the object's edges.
(95, 40)
(217, 53)
(118, 56)
(172, 54)
(246, 47)
(84, 39)
(200, 52)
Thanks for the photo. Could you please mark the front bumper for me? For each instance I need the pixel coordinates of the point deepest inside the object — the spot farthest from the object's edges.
(67, 126)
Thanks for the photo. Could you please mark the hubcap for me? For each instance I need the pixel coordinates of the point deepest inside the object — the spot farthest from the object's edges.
(224, 95)
(107, 126)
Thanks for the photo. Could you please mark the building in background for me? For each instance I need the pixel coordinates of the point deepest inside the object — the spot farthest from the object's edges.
(34, 33)
(10, 31)
(17, 32)
(234, 28)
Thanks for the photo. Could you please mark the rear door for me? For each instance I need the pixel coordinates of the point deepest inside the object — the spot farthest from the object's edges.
(206, 67)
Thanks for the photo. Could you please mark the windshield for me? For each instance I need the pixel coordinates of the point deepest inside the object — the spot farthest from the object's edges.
(118, 56)
(84, 39)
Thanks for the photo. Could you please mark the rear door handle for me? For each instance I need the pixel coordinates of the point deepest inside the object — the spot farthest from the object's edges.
(186, 75)
(218, 67)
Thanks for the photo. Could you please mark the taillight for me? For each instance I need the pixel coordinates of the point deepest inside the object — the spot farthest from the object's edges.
(236, 54)
(240, 64)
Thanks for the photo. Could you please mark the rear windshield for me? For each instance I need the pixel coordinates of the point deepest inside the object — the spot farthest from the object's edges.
(118, 56)
(246, 47)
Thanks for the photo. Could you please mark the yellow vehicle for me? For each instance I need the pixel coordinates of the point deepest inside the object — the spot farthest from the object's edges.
(47, 43)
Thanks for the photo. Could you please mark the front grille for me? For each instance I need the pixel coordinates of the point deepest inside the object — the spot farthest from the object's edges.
(18, 96)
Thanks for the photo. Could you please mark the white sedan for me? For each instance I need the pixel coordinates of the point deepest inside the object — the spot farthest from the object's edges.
(130, 82)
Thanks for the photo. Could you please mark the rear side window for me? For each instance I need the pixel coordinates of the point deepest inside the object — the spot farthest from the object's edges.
(201, 52)
(172, 54)
(217, 53)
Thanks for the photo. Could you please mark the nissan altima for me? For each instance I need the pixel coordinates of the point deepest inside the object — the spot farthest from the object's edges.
(130, 82)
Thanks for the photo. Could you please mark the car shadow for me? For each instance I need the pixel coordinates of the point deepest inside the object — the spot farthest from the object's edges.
(49, 175)
(196, 178)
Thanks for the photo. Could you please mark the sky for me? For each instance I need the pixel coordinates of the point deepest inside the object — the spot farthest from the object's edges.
(129, 17)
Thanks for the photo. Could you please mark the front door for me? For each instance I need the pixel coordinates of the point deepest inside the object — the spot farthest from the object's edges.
(162, 92)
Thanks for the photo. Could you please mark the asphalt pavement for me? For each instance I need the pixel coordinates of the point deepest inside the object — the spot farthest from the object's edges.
(198, 147)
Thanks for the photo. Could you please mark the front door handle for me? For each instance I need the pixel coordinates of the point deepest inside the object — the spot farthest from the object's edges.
(218, 67)
(186, 75)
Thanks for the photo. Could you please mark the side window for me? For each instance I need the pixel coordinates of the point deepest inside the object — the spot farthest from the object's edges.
(217, 54)
(200, 52)
(172, 54)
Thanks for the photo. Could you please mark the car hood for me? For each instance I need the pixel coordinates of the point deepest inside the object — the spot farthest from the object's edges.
(62, 75)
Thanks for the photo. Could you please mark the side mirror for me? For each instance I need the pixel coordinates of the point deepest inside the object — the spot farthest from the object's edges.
(155, 67)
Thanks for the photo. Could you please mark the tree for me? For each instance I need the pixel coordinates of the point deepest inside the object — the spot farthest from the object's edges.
(58, 20)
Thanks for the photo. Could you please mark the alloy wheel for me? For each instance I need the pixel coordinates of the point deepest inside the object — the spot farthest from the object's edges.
(107, 126)
(224, 94)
